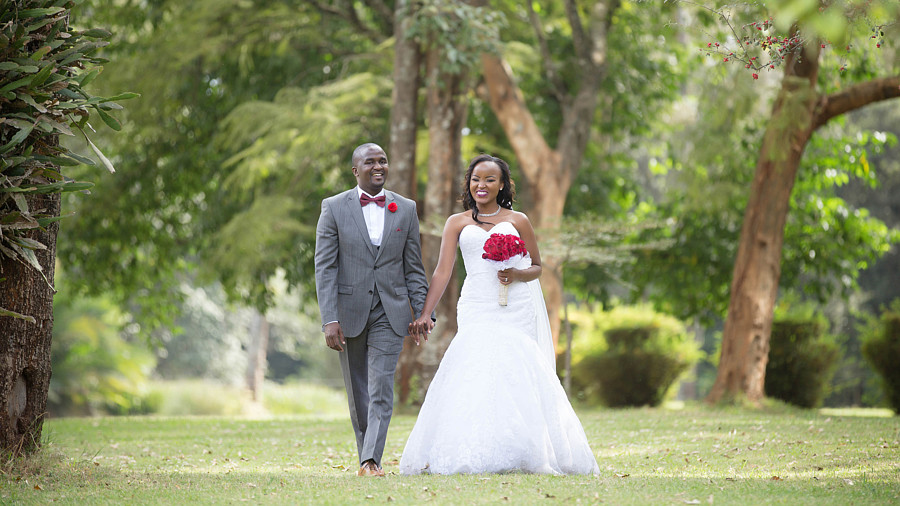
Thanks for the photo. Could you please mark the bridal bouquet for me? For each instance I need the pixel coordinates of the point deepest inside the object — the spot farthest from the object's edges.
(504, 250)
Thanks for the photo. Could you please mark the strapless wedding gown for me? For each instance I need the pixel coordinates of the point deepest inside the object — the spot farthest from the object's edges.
(495, 404)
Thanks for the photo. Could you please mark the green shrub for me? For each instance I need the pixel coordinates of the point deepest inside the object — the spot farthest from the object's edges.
(629, 356)
(882, 349)
(801, 361)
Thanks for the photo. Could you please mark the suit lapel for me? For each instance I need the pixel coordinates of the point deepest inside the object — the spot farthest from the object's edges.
(389, 219)
(355, 211)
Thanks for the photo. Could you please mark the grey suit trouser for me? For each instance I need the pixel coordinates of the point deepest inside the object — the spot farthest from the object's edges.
(368, 362)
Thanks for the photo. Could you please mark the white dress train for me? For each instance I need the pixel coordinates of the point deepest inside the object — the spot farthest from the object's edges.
(495, 404)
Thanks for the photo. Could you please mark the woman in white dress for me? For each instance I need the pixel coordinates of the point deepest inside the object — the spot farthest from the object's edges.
(495, 404)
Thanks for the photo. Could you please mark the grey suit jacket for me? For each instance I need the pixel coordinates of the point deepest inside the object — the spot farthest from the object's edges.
(349, 268)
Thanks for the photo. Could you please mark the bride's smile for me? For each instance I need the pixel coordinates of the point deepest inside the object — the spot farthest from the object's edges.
(485, 185)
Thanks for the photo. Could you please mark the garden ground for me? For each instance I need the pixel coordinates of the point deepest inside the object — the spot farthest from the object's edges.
(690, 454)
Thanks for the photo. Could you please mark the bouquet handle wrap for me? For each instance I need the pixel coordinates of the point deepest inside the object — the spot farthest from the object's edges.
(504, 294)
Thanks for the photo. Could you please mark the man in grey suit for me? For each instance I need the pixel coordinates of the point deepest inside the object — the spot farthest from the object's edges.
(369, 283)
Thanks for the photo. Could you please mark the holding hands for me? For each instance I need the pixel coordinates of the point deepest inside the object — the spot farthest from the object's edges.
(420, 328)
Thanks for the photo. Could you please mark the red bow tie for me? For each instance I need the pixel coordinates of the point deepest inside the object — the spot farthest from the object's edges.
(365, 200)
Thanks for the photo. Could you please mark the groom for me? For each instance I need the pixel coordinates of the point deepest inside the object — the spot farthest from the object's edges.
(369, 282)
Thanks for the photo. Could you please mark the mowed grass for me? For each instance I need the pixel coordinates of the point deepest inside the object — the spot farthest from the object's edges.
(692, 455)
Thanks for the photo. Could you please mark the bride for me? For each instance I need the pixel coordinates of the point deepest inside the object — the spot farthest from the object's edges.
(495, 404)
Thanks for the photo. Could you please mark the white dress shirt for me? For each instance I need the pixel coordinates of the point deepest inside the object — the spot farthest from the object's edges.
(374, 215)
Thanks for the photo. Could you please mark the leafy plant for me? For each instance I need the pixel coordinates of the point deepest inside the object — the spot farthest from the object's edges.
(641, 355)
(44, 69)
(882, 349)
(801, 361)
(95, 369)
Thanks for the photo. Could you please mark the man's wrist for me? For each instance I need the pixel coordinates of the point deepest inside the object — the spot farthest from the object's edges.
(329, 323)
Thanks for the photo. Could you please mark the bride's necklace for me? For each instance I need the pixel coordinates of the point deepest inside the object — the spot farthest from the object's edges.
(495, 213)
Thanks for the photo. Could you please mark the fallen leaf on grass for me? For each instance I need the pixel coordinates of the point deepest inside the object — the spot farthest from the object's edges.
(390, 499)
(38, 487)
(776, 478)
(625, 475)
(848, 481)
(692, 501)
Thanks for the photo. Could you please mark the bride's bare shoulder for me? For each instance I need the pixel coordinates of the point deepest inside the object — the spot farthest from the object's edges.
(519, 219)
(456, 222)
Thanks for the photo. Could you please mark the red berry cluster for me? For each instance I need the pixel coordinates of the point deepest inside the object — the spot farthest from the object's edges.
(500, 247)
(760, 49)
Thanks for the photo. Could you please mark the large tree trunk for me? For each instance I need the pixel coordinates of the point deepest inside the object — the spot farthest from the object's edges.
(797, 112)
(446, 114)
(25, 346)
(404, 113)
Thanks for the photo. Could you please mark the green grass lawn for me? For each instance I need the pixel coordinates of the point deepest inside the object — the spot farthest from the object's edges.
(692, 455)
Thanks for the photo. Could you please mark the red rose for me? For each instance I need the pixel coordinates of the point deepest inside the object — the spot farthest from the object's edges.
(392, 207)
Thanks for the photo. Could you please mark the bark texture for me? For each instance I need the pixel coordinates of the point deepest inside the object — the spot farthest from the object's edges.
(25, 346)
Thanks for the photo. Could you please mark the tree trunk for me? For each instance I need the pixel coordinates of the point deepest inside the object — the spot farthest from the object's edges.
(446, 114)
(797, 113)
(754, 285)
(256, 356)
(404, 113)
(25, 346)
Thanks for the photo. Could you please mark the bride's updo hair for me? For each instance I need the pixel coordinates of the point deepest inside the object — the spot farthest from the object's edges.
(505, 197)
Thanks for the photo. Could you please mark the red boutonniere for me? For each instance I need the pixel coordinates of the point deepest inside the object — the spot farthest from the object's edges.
(392, 207)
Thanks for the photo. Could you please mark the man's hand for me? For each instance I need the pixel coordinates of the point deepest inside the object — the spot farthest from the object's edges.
(334, 336)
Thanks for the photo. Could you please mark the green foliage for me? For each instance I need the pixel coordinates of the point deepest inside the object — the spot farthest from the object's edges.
(95, 369)
(636, 361)
(881, 347)
(460, 32)
(213, 132)
(285, 156)
(801, 360)
(45, 67)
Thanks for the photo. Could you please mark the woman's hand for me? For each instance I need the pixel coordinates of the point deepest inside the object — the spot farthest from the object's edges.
(420, 328)
(507, 276)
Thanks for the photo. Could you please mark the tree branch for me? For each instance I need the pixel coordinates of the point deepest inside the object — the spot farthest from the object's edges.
(856, 97)
(579, 39)
(559, 87)
(383, 11)
(349, 14)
